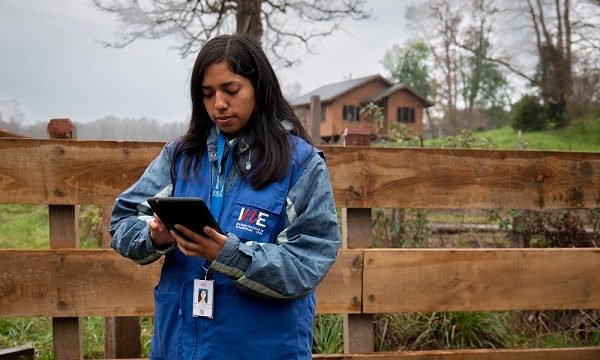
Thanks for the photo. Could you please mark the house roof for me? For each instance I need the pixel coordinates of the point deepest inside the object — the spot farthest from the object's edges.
(330, 92)
(398, 87)
(5, 133)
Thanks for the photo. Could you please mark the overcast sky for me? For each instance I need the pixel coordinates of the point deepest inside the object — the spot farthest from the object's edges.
(53, 63)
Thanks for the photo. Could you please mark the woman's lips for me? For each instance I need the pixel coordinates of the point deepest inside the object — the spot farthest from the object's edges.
(224, 119)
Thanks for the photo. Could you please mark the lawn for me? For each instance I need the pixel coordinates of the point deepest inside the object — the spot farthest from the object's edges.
(582, 135)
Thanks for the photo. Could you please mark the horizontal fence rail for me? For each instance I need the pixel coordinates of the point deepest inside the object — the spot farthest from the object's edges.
(73, 283)
(59, 283)
(37, 171)
(584, 353)
(412, 280)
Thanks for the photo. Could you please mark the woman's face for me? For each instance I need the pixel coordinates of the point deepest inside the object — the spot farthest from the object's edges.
(228, 98)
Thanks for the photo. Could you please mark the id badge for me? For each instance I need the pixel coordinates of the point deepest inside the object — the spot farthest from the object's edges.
(202, 304)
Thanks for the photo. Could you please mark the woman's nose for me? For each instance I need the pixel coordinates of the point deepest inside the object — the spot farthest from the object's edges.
(220, 101)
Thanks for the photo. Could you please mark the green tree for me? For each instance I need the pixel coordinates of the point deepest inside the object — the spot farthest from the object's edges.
(409, 65)
(484, 82)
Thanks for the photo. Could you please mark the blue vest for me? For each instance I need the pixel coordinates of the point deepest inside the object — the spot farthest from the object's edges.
(243, 326)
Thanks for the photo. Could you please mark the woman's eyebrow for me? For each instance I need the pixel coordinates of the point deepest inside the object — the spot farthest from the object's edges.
(225, 84)
(229, 83)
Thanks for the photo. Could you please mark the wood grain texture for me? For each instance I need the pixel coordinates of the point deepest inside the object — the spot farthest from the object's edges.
(480, 279)
(584, 353)
(450, 178)
(341, 290)
(38, 171)
(66, 338)
(69, 283)
(580, 353)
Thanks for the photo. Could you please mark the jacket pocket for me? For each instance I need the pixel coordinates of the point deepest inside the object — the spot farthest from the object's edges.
(167, 324)
(258, 214)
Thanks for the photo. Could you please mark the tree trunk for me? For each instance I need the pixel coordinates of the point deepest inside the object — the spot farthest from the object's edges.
(248, 19)
(554, 49)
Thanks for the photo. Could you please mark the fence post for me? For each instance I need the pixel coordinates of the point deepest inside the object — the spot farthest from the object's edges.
(315, 119)
(122, 335)
(359, 334)
(63, 222)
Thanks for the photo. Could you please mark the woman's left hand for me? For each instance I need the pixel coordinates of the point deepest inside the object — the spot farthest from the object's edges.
(206, 246)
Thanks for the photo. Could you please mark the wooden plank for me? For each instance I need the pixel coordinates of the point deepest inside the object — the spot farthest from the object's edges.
(64, 233)
(67, 338)
(38, 171)
(357, 224)
(314, 127)
(341, 290)
(122, 337)
(583, 353)
(121, 334)
(450, 178)
(23, 352)
(63, 226)
(358, 329)
(418, 280)
(68, 283)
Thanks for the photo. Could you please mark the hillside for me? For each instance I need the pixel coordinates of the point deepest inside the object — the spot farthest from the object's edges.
(583, 135)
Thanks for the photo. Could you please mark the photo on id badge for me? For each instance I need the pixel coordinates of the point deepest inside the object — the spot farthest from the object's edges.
(203, 298)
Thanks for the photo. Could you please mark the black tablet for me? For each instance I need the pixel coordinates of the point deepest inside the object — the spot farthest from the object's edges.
(187, 211)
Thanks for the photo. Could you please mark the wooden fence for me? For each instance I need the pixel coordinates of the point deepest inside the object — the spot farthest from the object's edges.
(67, 284)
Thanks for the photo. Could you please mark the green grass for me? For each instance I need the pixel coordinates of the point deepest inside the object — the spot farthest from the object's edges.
(582, 135)
(20, 331)
(443, 330)
(327, 336)
(24, 226)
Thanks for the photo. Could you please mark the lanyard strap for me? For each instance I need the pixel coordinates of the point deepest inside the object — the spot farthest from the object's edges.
(216, 201)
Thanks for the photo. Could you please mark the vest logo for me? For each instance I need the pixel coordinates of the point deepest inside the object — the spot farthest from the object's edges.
(253, 216)
(252, 220)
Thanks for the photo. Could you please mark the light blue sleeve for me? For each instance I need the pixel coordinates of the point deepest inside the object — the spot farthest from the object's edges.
(305, 249)
(128, 228)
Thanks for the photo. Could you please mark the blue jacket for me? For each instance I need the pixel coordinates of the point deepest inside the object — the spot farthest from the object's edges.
(282, 240)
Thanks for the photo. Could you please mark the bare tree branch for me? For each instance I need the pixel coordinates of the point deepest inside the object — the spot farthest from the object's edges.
(288, 24)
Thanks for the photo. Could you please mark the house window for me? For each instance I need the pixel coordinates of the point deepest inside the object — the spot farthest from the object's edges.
(350, 113)
(406, 115)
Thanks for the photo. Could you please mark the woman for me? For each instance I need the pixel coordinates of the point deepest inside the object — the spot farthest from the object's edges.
(246, 154)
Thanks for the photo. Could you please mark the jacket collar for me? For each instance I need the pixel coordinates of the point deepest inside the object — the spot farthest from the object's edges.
(244, 142)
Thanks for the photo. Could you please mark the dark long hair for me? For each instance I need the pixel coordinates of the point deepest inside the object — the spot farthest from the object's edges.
(271, 154)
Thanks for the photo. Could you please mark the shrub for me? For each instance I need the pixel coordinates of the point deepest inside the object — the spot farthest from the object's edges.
(437, 330)
(528, 114)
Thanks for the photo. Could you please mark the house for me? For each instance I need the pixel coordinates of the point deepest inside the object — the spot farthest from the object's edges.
(341, 104)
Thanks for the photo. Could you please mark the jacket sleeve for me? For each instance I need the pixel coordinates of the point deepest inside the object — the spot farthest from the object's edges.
(128, 227)
(305, 250)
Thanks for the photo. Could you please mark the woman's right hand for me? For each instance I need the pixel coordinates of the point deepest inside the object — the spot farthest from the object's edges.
(159, 233)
